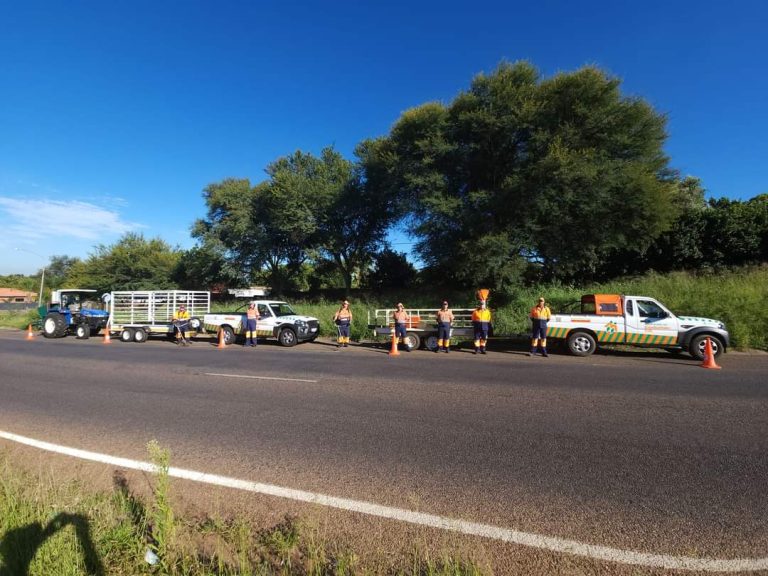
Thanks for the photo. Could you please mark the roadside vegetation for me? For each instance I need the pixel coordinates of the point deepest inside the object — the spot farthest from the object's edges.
(736, 296)
(50, 527)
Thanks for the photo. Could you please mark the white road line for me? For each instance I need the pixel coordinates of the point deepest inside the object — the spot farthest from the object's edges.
(471, 528)
(259, 377)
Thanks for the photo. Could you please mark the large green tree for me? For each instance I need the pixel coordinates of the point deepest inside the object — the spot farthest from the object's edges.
(310, 209)
(517, 169)
(131, 263)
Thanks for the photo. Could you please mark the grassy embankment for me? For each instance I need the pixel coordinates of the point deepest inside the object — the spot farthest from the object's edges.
(53, 528)
(739, 298)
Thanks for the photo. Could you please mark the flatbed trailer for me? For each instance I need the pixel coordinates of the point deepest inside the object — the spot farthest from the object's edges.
(136, 315)
(421, 331)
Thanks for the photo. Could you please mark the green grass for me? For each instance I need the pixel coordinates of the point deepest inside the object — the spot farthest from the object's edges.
(54, 528)
(738, 297)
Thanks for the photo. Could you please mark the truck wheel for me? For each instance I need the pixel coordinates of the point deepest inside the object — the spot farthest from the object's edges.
(229, 335)
(287, 337)
(412, 340)
(140, 335)
(83, 332)
(431, 343)
(126, 335)
(698, 343)
(54, 326)
(581, 343)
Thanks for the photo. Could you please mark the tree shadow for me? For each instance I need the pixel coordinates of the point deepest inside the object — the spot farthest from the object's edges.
(19, 546)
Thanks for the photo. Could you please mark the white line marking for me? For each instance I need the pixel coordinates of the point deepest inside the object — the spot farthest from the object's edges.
(259, 377)
(471, 528)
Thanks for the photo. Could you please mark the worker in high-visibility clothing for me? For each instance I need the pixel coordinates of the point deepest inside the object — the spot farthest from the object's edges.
(540, 315)
(251, 325)
(481, 324)
(343, 321)
(444, 319)
(180, 323)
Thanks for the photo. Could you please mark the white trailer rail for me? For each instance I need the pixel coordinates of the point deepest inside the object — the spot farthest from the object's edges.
(422, 327)
(138, 314)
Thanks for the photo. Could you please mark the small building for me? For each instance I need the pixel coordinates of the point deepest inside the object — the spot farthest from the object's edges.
(12, 295)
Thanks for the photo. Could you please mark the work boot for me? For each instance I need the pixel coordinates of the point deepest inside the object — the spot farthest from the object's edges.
(482, 350)
(447, 350)
(437, 350)
(477, 351)
(544, 353)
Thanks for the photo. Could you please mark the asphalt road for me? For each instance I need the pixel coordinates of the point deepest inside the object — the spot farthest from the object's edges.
(639, 451)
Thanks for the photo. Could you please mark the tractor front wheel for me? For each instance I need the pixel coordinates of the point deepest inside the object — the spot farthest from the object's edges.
(54, 326)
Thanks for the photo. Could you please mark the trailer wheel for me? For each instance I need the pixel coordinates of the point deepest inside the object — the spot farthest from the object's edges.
(581, 343)
(83, 332)
(698, 343)
(431, 343)
(412, 340)
(126, 335)
(54, 325)
(195, 323)
(140, 335)
(287, 337)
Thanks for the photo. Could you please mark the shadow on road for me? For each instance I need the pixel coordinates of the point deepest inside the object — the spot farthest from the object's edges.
(18, 547)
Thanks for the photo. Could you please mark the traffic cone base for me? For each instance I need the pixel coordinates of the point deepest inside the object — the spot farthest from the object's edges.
(30, 334)
(107, 338)
(394, 351)
(709, 357)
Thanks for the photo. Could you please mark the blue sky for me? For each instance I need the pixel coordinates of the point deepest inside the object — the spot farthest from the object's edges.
(115, 115)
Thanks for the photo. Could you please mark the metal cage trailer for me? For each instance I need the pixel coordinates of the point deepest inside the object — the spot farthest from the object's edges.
(422, 328)
(138, 314)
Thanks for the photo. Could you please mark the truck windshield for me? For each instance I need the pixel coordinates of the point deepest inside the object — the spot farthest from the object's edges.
(282, 309)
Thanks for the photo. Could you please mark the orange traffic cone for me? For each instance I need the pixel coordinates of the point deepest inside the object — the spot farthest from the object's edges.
(30, 334)
(394, 351)
(709, 357)
(107, 339)
(222, 343)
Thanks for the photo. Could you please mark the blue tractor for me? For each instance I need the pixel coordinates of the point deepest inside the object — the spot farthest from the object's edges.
(73, 311)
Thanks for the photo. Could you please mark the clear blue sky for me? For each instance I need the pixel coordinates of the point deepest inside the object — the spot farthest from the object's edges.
(115, 115)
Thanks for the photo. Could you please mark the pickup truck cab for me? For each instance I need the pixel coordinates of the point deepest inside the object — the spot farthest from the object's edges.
(276, 320)
(635, 321)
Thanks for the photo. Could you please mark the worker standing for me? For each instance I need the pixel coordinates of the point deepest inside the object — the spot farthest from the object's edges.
(343, 321)
(180, 322)
(251, 321)
(444, 320)
(540, 315)
(401, 318)
(481, 323)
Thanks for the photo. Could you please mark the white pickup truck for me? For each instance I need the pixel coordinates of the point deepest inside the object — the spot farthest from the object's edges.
(276, 320)
(635, 321)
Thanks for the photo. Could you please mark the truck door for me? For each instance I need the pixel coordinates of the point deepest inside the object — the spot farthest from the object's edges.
(266, 323)
(649, 323)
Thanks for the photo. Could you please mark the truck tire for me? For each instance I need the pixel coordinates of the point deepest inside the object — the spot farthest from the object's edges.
(412, 340)
(287, 337)
(83, 332)
(54, 326)
(140, 335)
(699, 342)
(581, 343)
(126, 335)
(229, 335)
